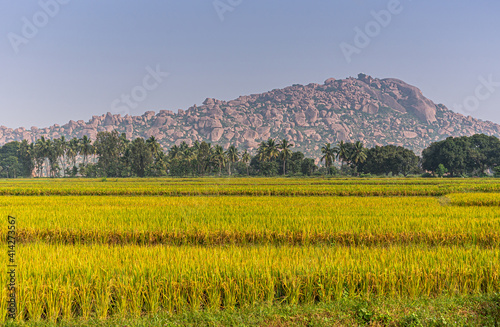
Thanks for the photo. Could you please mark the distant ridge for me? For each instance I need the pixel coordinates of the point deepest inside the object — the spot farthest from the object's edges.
(375, 111)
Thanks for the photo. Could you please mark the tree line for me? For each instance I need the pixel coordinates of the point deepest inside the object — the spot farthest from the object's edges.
(463, 156)
(113, 155)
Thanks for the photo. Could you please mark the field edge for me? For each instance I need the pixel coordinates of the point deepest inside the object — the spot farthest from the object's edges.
(443, 311)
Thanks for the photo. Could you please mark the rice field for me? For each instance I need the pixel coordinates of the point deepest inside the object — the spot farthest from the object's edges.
(245, 220)
(97, 249)
(248, 186)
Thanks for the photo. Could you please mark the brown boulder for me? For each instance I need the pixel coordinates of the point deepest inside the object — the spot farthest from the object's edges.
(330, 81)
(250, 134)
(160, 121)
(300, 119)
(312, 114)
(216, 134)
(414, 100)
(410, 135)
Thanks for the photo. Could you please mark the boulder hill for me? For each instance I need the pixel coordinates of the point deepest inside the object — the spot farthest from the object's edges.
(374, 111)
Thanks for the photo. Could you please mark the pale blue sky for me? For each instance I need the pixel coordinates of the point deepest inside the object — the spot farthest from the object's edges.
(78, 62)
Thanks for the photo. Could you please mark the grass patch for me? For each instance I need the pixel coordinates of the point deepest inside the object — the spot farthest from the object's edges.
(443, 311)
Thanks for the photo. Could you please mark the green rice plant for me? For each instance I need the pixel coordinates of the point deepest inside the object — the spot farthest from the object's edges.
(52, 295)
(67, 299)
(35, 302)
(85, 299)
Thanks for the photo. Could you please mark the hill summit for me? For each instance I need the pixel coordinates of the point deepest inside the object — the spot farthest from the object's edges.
(374, 111)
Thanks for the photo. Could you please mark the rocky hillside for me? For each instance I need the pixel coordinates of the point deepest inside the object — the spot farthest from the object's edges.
(375, 111)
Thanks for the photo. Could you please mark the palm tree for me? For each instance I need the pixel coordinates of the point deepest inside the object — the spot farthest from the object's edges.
(153, 146)
(203, 154)
(26, 156)
(219, 157)
(158, 155)
(196, 146)
(175, 152)
(358, 155)
(272, 151)
(40, 151)
(342, 153)
(184, 146)
(86, 148)
(329, 154)
(73, 150)
(245, 157)
(51, 153)
(285, 153)
(233, 156)
(262, 151)
(190, 156)
(61, 147)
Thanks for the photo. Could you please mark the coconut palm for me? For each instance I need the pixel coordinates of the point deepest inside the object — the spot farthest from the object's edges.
(40, 151)
(26, 155)
(158, 155)
(262, 151)
(203, 155)
(272, 151)
(245, 157)
(329, 154)
(175, 153)
(219, 157)
(86, 148)
(51, 153)
(61, 146)
(153, 146)
(190, 156)
(196, 146)
(342, 153)
(358, 155)
(184, 146)
(285, 153)
(73, 150)
(233, 156)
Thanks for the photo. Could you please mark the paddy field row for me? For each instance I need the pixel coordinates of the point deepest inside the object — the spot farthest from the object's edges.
(64, 282)
(454, 219)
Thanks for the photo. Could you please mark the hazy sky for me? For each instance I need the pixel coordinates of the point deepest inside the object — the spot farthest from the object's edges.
(70, 59)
